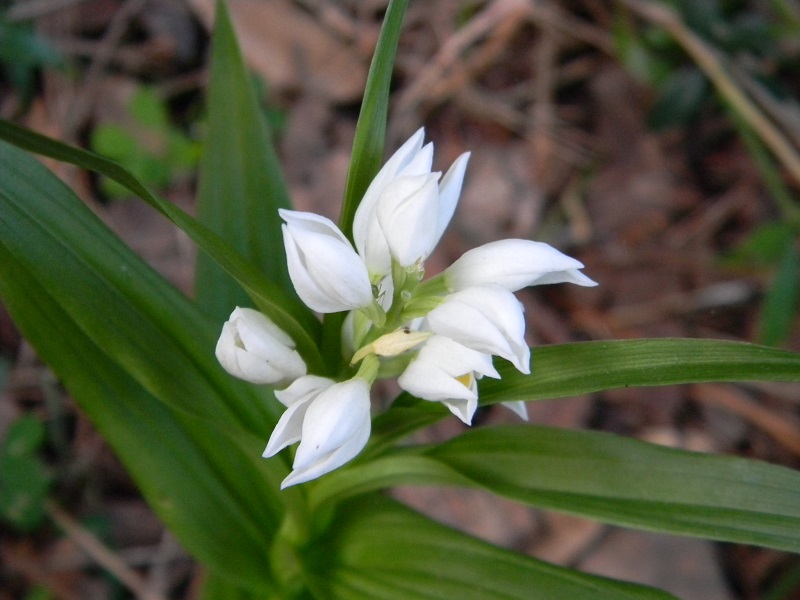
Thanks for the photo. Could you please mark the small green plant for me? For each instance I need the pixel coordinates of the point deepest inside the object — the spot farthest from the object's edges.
(22, 53)
(24, 479)
(138, 356)
(150, 146)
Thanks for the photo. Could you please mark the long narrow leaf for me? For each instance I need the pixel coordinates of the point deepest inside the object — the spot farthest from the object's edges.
(633, 483)
(371, 128)
(602, 477)
(269, 297)
(379, 549)
(117, 300)
(580, 368)
(241, 185)
(138, 357)
(585, 367)
(203, 482)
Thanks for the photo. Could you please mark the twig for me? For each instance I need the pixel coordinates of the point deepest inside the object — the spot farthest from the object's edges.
(430, 78)
(102, 555)
(85, 100)
(712, 65)
(778, 426)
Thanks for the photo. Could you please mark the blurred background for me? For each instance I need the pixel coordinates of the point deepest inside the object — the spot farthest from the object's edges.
(658, 142)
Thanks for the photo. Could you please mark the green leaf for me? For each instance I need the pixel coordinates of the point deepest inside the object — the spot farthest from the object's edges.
(681, 97)
(632, 483)
(585, 367)
(216, 587)
(598, 476)
(24, 437)
(367, 152)
(765, 245)
(149, 110)
(379, 549)
(138, 358)
(371, 128)
(779, 310)
(117, 300)
(269, 297)
(241, 185)
(581, 368)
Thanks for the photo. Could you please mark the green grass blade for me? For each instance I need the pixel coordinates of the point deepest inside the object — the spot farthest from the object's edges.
(241, 185)
(269, 297)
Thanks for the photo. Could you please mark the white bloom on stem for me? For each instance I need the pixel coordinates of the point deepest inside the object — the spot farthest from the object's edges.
(485, 318)
(514, 264)
(404, 211)
(445, 371)
(331, 420)
(326, 272)
(407, 214)
(253, 348)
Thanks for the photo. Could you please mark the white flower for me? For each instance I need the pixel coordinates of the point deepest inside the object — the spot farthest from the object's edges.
(253, 348)
(485, 318)
(404, 212)
(445, 371)
(514, 264)
(326, 272)
(331, 420)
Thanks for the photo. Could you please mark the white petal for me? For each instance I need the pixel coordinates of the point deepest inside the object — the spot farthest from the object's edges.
(407, 214)
(335, 416)
(449, 192)
(518, 407)
(253, 348)
(303, 389)
(369, 240)
(464, 410)
(326, 272)
(345, 453)
(420, 163)
(566, 276)
(288, 429)
(513, 264)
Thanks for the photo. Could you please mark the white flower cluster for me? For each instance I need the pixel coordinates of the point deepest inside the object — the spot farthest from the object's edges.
(439, 335)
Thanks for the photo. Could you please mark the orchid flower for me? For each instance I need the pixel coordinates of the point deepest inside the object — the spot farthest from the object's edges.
(253, 348)
(331, 420)
(438, 336)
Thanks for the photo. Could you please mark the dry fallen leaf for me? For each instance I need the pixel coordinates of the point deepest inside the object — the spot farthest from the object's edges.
(291, 50)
